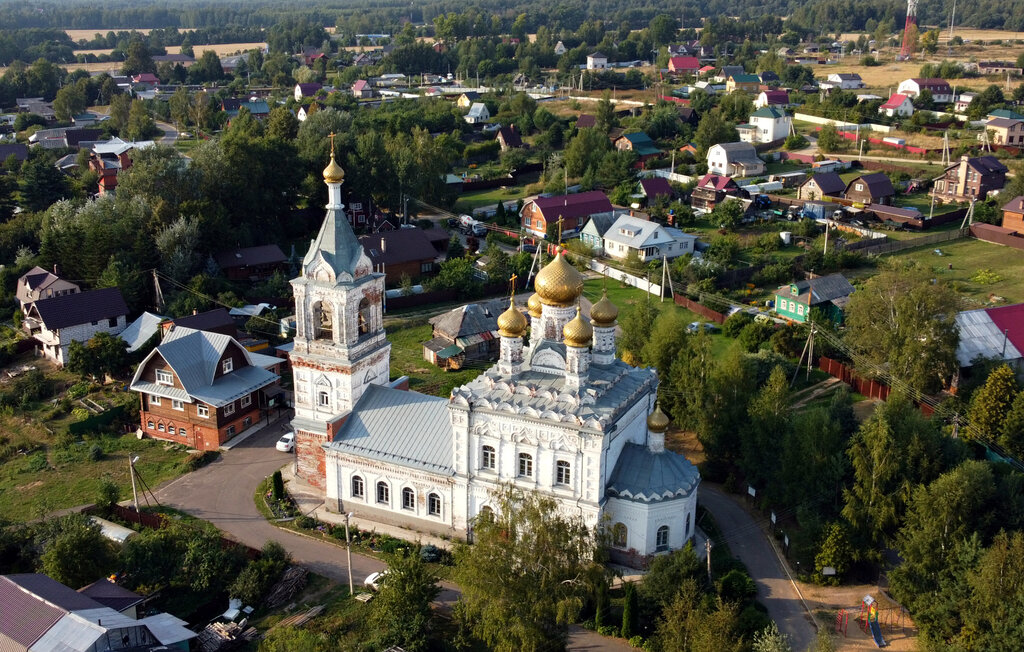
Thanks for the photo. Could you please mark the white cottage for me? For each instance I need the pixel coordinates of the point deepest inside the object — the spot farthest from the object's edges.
(558, 413)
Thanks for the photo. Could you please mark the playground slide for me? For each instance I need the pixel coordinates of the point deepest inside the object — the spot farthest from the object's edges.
(876, 633)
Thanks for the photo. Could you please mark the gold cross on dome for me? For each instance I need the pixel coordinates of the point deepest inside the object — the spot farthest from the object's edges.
(331, 136)
(560, 222)
(512, 280)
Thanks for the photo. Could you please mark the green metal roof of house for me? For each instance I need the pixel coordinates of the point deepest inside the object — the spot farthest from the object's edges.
(642, 143)
(768, 112)
(1005, 113)
(746, 79)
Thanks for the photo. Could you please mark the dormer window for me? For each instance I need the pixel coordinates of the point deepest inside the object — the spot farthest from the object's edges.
(228, 365)
(794, 291)
(164, 377)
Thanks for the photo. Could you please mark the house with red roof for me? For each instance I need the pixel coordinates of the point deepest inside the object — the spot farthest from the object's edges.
(704, 70)
(573, 210)
(713, 189)
(683, 65)
(992, 333)
(362, 89)
(898, 104)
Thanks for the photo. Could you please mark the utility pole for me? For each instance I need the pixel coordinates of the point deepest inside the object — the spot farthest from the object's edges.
(348, 552)
(810, 354)
(135, 494)
(707, 553)
(158, 291)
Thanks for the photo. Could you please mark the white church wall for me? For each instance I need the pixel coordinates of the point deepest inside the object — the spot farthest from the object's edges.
(643, 520)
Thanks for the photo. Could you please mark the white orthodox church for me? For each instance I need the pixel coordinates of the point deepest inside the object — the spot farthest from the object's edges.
(558, 413)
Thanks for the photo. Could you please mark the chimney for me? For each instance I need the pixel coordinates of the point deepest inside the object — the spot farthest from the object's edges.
(383, 244)
(55, 273)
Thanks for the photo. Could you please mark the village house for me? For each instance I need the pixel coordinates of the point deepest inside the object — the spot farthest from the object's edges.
(711, 190)
(1013, 214)
(509, 138)
(467, 99)
(415, 253)
(766, 125)
(592, 233)
(777, 98)
(827, 293)
(1004, 113)
(252, 263)
(939, 88)
(843, 81)
(999, 68)
(306, 111)
(183, 60)
(1006, 131)
(683, 65)
(743, 82)
(306, 90)
(40, 613)
(585, 121)
(995, 333)
(769, 77)
(37, 283)
(874, 188)
(478, 114)
(640, 144)
(469, 332)
(573, 210)
(647, 240)
(653, 187)
(735, 160)
(361, 89)
(217, 320)
(971, 179)
(963, 101)
(821, 185)
(729, 71)
(258, 108)
(897, 105)
(597, 61)
(200, 389)
(559, 49)
(58, 321)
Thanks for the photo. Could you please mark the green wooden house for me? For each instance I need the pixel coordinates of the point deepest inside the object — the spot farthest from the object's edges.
(827, 293)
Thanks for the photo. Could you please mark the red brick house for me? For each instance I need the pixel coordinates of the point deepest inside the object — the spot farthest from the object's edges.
(971, 178)
(572, 209)
(201, 389)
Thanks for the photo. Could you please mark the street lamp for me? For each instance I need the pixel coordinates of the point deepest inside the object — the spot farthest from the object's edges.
(348, 552)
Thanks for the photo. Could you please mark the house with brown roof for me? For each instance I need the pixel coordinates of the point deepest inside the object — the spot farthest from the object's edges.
(217, 320)
(970, 179)
(573, 210)
(653, 187)
(874, 188)
(469, 332)
(777, 98)
(585, 121)
(252, 263)
(821, 185)
(939, 88)
(509, 138)
(711, 190)
(415, 253)
(1013, 214)
(306, 90)
(200, 389)
(37, 283)
(57, 322)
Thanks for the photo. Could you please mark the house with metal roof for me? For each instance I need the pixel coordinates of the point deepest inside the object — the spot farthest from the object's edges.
(37, 283)
(826, 293)
(416, 253)
(742, 82)
(572, 209)
(478, 114)
(592, 233)
(1006, 131)
(43, 615)
(711, 190)
(653, 187)
(776, 97)
(200, 389)
(638, 143)
(306, 90)
(597, 61)
(1013, 214)
(992, 333)
(972, 178)
(766, 125)
(684, 65)
(252, 263)
(645, 239)
(58, 321)
(939, 88)
(874, 188)
(137, 333)
(821, 185)
(735, 160)
(469, 332)
(898, 104)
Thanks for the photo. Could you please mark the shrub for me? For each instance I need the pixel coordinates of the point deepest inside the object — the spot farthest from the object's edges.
(608, 630)
(107, 496)
(95, 453)
(198, 459)
(735, 323)
(629, 612)
(305, 523)
(638, 642)
(78, 390)
(277, 483)
(754, 335)
(64, 440)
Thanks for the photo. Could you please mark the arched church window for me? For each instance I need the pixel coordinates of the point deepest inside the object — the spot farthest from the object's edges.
(488, 461)
(383, 493)
(563, 473)
(323, 321)
(364, 316)
(434, 505)
(408, 498)
(357, 487)
(661, 541)
(619, 535)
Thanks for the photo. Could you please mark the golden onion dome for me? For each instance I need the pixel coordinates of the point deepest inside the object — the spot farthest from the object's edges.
(333, 172)
(559, 283)
(534, 305)
(657, 421)
(578, 332)
(604, 312)
(511, 323)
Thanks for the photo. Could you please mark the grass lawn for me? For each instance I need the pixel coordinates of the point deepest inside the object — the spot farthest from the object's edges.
(407, 360)
(923, 202)
(470, 200)
(50, 478)
(786, 166)
(968, 257)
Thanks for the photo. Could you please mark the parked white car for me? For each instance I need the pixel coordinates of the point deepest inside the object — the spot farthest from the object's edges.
(286, 444)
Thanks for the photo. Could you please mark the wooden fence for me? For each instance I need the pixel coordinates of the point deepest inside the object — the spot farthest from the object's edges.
(699, 308)
(997, 235)
(865, 386)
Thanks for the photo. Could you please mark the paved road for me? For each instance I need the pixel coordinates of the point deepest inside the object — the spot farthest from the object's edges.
(222, 493)
(774, 588)
(170, 133)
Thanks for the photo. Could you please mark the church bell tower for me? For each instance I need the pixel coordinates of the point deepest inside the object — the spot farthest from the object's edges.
(340, 347)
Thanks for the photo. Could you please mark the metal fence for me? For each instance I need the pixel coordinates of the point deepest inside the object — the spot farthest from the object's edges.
(892, 246)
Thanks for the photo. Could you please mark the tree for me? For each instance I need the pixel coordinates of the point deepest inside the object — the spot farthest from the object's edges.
(206, 564)
(828, 138)
(903, 325)
(207, 68)
(770, 639)
(662, 29)
(527, 573)
(585, 151)
(457, 274)
(70, 101)
(140, 124)
(401, 614)
(712, 130)
(605, 117)
(665, 575)
(75, 552)
(103, 354)
(930, 41)
(835, 553)
(629, 612)
(137, 59)
(1011, 436)
(40, 184)
(455, 248)
(689, 624)
(636, 331)
(991, 404)
(769, 420)
(667, 341)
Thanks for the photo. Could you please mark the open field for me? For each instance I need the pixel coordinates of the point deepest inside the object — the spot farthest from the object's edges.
(222, 49)
(967, 258)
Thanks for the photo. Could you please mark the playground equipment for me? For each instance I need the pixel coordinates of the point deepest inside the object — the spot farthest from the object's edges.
(869, 614)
